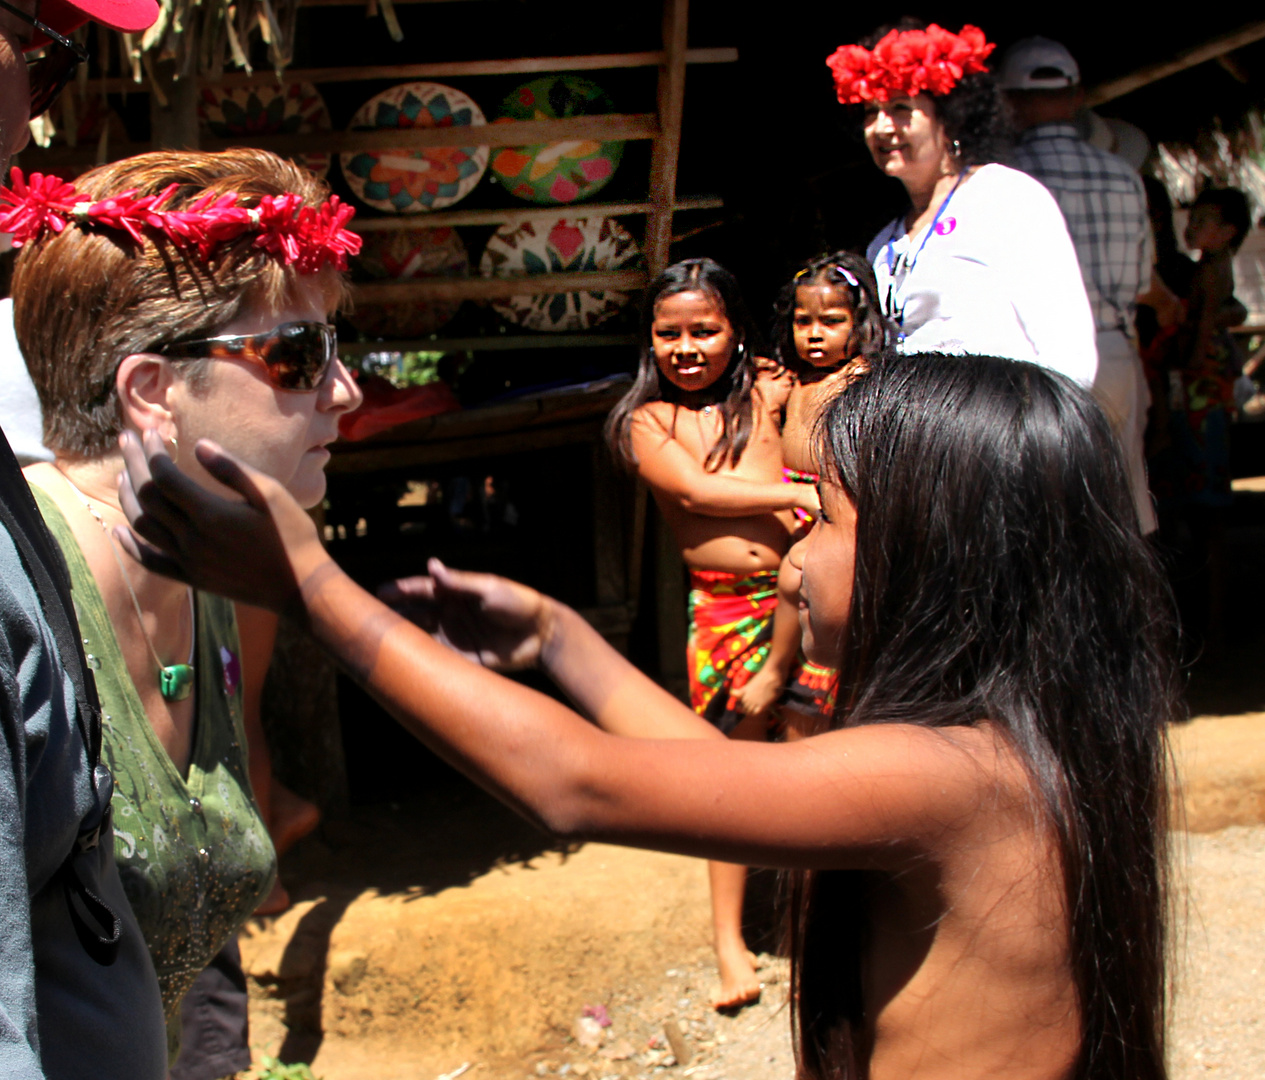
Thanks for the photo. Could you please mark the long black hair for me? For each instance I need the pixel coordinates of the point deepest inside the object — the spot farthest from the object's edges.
(731, 393)
(1000, 575)
(871, 332)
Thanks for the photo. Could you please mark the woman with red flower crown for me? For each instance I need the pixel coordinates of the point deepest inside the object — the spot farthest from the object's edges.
(202, 286)
(982, 261)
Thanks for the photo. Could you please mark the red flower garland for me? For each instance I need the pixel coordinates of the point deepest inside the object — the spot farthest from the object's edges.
(302, 236)
(906, 63)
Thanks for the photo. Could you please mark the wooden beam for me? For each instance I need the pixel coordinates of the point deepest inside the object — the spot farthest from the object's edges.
(458, 69)
(481, 288)
(515, 214)
(667, 147)
(1200, 54)
(409, 455)
(489, 343)
(610, 126)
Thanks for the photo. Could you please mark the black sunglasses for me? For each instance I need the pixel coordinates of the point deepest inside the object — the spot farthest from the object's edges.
(295, 355)
(49, 73)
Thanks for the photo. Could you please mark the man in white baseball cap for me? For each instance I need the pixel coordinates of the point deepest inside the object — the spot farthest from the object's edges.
(1104, 203)
(78, 993)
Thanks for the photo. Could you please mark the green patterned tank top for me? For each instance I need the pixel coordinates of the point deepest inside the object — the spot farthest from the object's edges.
(193, 852)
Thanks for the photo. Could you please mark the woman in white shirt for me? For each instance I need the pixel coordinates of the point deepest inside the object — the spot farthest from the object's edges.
(982, 261)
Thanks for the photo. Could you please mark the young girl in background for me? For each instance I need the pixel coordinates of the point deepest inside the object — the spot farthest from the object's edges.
(700, 427)
(828, 328)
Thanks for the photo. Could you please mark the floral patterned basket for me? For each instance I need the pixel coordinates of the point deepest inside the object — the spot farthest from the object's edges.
(409, 255)
(568, 245)
(563, 172)
(412, 181)
(267, 110)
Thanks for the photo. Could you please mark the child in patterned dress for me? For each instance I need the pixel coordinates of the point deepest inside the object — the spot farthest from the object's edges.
(700, 427)
(828, 329)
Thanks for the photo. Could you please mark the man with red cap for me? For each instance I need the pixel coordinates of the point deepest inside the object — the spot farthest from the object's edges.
(78, 994)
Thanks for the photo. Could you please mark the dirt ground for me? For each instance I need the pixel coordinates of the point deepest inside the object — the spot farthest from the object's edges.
(446, 933)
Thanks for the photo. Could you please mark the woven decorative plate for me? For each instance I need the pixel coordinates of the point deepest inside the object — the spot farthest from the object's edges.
(562, 172)
(295, 108)
(568, 245)
(426, 178)
(406, 255)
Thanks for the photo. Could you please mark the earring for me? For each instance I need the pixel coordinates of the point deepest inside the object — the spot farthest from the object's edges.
(957, 148)
(175, 446)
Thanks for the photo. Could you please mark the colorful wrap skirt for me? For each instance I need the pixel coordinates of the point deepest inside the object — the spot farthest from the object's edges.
(811, 689)
(731, 627)
(796, 476)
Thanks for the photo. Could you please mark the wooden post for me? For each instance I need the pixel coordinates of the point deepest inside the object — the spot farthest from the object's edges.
(667, 147)
(173, 113)
(609, 564)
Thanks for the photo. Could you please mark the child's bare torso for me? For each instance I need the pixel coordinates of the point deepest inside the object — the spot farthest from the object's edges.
(803, 405)
(735, 544)
(967, 971)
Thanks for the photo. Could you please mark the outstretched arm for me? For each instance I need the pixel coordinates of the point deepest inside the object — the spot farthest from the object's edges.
(507, 626)
(864, 797)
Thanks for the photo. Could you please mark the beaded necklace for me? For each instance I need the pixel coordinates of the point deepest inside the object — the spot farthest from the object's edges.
(175, 681)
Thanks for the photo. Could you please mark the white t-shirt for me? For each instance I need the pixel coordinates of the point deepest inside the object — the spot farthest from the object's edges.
(999, 277)
(19, 404)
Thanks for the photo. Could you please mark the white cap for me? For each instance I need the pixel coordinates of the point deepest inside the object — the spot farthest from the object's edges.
(1037, 63)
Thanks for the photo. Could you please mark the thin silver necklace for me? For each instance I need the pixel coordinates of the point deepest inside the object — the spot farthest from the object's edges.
(175, 681)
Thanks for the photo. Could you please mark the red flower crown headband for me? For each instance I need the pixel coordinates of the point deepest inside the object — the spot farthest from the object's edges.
(303, 236)
(906, 63)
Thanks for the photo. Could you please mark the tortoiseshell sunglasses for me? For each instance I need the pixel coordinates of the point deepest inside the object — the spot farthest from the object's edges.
(295, 355)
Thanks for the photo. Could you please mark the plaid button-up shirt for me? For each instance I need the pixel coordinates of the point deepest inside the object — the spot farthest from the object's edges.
(1104, 204)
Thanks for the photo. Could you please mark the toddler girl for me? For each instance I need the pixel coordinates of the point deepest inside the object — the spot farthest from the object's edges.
(828, 328)
(700, 427)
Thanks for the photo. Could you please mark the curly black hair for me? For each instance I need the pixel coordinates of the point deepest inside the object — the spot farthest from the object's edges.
(973, 113)
(871, 332)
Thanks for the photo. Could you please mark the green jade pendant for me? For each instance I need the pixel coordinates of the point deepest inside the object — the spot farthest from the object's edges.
(175, 681)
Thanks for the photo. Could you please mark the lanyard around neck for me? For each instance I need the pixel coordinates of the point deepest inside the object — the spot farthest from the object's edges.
(891, 311)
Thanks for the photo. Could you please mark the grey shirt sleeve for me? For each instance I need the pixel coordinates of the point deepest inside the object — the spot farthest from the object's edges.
(20, 667)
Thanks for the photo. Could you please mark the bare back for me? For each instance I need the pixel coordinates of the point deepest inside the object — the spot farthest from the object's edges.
(672, 442)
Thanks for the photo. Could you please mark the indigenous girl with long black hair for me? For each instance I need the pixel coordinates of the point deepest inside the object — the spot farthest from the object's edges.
(978, 844)
(700, 426)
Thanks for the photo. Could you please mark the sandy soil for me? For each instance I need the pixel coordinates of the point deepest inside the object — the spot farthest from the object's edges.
(446, 933)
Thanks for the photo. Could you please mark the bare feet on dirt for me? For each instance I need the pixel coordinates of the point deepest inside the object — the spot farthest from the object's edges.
(739, 983)
(293, 817)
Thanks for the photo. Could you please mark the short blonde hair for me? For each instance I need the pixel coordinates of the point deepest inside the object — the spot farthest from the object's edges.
(85, 298)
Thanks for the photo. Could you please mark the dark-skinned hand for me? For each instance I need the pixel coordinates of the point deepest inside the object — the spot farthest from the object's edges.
(259, 549)
(488, 619)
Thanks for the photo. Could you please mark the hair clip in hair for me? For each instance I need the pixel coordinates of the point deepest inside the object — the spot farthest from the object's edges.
(847, 275)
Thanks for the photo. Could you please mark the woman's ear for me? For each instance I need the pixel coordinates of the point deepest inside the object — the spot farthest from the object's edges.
(144, 382)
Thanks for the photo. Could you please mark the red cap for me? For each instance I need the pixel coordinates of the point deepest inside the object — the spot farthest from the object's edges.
(67, 15)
